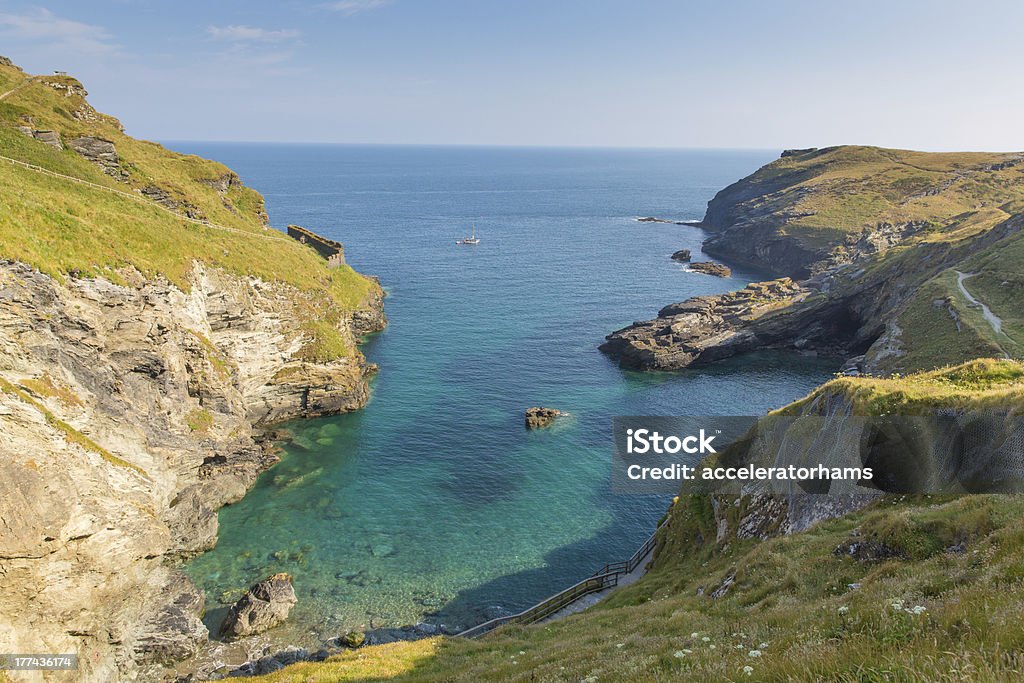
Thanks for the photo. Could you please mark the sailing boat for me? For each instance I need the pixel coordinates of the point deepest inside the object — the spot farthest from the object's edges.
(469, 240)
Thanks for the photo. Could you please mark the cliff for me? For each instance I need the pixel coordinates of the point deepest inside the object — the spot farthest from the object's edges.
(900, 261)
(152, 327)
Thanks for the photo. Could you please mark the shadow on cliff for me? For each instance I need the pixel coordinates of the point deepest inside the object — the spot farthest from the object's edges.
(526, 588)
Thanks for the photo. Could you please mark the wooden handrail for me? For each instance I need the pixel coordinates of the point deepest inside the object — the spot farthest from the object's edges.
(605, 577)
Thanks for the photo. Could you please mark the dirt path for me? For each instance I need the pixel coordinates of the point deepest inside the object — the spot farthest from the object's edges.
(992, 318)
(15, 89)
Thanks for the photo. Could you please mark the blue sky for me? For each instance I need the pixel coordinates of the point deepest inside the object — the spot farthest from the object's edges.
(749, 74)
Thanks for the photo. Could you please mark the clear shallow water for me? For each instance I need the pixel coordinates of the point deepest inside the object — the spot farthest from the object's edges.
(434, 502)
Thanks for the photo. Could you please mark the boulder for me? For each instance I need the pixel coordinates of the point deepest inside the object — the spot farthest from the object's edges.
(541, 417)
(681, 255)
(99, 151)
(352, 639)
(711, 268)
(264, 606)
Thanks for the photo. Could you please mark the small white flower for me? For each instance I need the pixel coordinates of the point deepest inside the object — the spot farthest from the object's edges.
(917, 610)
(844, 609)
(739, 647)
(620, 644)
(763, 646)
(694, 635)
(749, 670)
(706, 639)
(712, 646)
(897, 605)
(754, 653)
(687, 651)
(678, 654)
(522, 652)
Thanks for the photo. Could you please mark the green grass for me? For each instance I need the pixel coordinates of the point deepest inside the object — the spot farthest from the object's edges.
(62, 227)
(199, 420)
(47, 387)
(978, 385)
(822, 197)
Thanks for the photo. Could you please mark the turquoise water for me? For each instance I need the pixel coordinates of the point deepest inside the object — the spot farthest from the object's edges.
(434, 503)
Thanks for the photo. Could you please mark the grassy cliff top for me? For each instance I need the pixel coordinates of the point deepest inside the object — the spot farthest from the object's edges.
(975, 385)
(96, 228)
(818, 196)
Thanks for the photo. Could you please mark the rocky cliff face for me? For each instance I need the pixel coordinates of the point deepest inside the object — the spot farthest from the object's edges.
(814, 209)
(877, 295)
(129, 414)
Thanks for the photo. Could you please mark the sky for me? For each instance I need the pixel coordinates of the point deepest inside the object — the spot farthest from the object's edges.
(930, 74)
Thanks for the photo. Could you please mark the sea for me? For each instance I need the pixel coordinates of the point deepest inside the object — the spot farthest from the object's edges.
(434, 504)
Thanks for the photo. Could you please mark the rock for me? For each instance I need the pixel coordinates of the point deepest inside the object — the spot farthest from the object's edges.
(382, 550)
(100, 152)
(711, 268)
(681, 255)
(175, 631)
(541, 417)
(724, 587)
(352, 639)
(709, 328)
(653, 219)
(164, 198)
(49, 137)
(867, 551)
(264, 606)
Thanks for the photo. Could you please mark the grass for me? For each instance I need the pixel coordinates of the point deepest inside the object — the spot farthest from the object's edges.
(978, 385)
(47, 387)
(199, 420)
(940, 328)
(64, 228)
(824, 196)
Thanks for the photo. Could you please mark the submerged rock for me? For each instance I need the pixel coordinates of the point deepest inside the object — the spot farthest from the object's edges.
(711, 268)
(264, 606)
(541, 417)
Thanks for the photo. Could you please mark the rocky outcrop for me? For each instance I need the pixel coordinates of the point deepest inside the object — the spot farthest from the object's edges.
(100, 152)
(541, 417)
(49, 137)
(777, 313)
(711, 268)
(129, 413)
(165, 199)
(681, 255)
(264, 606)
(654, 219)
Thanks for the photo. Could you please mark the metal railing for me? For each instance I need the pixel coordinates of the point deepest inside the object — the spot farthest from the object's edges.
(605, 577)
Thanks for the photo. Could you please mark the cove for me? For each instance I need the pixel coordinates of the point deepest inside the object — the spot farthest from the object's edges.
(434, 503)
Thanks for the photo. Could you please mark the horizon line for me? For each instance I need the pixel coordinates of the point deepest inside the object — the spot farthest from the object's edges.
(666, 148)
